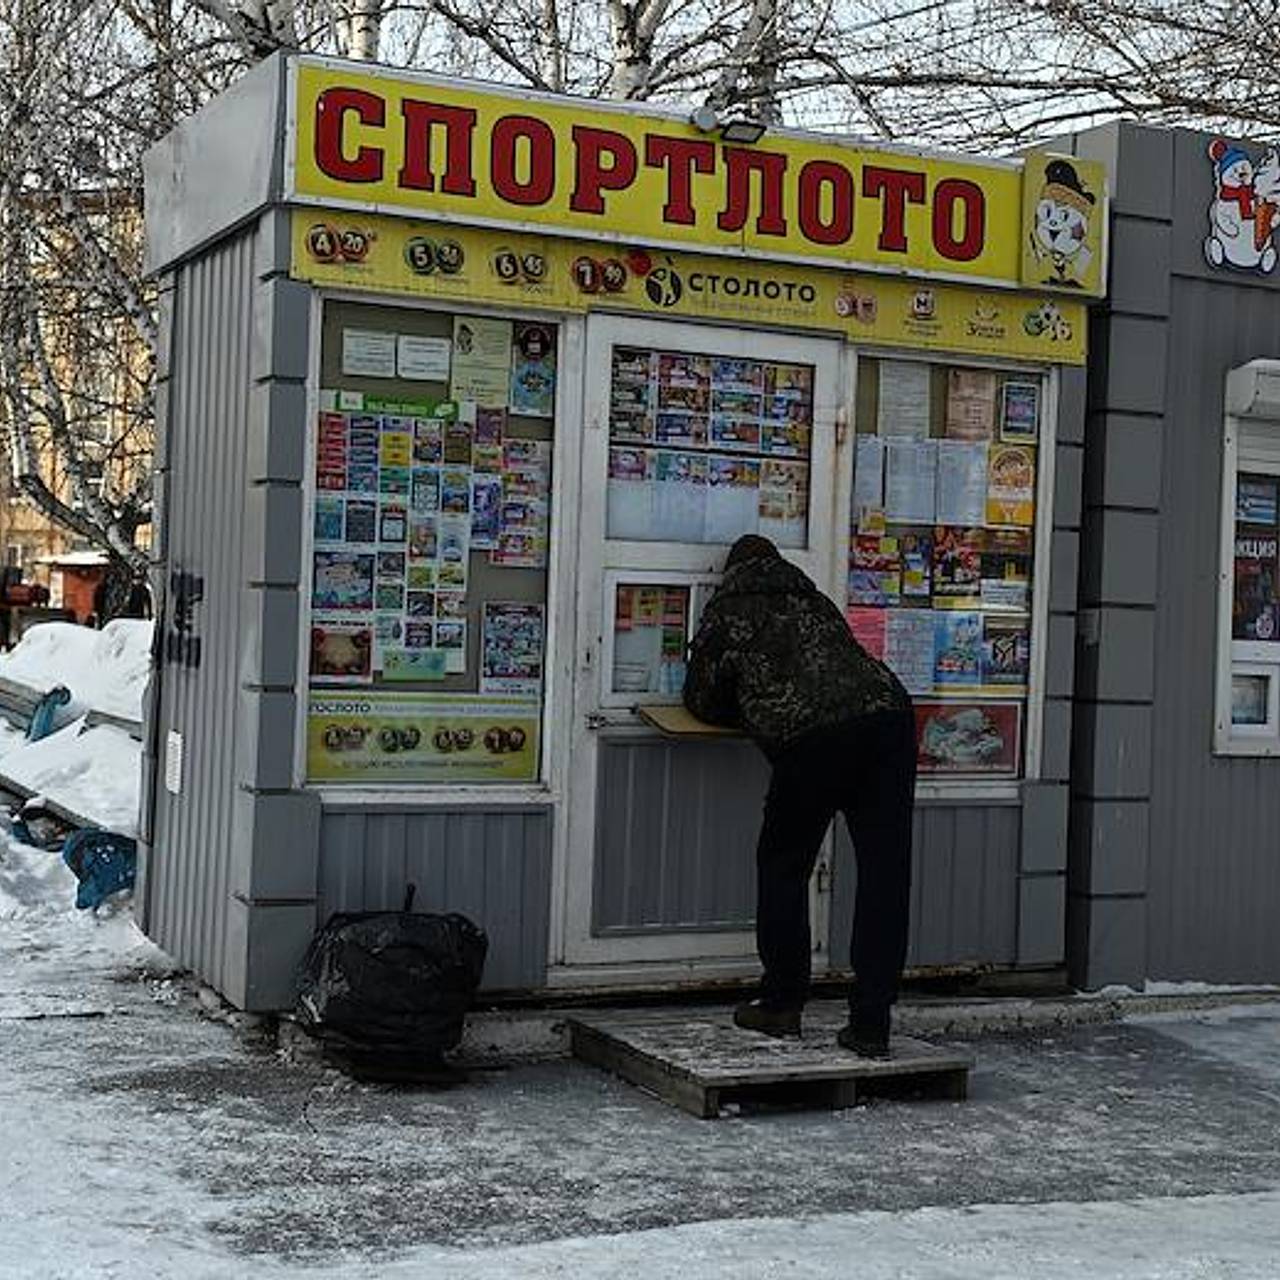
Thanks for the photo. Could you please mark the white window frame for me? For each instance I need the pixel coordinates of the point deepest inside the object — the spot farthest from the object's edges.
(700, 587)
(975, 789)
(1250, 444)
(558, 674)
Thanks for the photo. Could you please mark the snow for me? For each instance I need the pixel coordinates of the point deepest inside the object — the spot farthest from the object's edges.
(105, 670)
(76, 559)
(39, 919)
(139, 1140)
(1152, 987)
(142, 1142)
(95, 772)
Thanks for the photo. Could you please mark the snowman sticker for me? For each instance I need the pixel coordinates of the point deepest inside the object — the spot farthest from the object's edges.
(1244, 210)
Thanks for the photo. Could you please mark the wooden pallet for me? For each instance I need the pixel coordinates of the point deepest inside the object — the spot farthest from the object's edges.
(704, 1064)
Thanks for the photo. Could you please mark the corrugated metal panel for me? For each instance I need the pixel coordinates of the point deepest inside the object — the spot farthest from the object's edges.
(676, 849)
(964, 887)
(676, 835)
(494, 867)
(1214, 874)
(208, 424)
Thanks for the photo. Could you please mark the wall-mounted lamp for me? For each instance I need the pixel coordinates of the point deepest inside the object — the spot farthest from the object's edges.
(739, 129)
(742, 130)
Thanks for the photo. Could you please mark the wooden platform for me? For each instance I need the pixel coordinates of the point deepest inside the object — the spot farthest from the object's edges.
(702, 1063)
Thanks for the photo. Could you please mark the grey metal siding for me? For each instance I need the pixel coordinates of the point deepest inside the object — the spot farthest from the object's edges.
(204, 469)
(493, 866)
(964, 888)
(676, 835)
(676, 850)
(217, 168)
(1214, 867)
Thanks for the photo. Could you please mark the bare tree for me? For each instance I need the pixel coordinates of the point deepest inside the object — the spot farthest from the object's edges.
(89, 84)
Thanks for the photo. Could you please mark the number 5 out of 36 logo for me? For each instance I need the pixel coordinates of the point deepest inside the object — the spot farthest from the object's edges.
(425, 256)
(333, 244)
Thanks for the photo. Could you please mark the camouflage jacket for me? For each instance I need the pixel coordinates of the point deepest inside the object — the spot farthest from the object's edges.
(775, 658)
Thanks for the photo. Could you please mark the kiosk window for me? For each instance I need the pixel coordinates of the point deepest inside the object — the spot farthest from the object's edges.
(704, 448)
(941, 551)
(650, 638)
(1255, 605)
(430, 539)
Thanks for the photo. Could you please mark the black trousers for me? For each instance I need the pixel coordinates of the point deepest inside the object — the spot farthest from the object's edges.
(865, 769)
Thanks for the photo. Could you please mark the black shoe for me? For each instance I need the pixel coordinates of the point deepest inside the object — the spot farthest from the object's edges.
(769, 1020)
(866, 1044)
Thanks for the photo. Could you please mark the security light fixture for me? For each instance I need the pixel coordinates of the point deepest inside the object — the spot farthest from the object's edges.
(740, 129)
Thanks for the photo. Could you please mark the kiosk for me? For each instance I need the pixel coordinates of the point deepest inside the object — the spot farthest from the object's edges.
(464, 393)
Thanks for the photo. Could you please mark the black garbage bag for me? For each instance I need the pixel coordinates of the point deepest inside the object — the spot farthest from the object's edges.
(387, 991)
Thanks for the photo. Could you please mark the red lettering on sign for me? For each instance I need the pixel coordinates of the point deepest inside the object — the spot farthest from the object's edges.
(895, 187)
(538, 187)
(591, 176)
(459, 125)
(332, 108)
(814, 177)
(949, 193)
(771, 166)
(681, 157)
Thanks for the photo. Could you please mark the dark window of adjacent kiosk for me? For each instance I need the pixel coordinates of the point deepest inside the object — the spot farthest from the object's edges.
(432, 456)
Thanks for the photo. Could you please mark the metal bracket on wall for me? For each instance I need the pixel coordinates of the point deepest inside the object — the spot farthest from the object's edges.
(182, 644)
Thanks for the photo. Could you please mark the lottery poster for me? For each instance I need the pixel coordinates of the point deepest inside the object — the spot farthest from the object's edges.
(342, 580)
(371, 736)
(415, 501)
(533, 370)
(481, 366)
(524, 522)
(512, 648)
(341, 650)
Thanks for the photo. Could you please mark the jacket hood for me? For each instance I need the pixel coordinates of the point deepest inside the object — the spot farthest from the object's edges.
(766, 576)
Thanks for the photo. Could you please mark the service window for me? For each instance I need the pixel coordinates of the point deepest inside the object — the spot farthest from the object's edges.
(432, 457)
(942, 552)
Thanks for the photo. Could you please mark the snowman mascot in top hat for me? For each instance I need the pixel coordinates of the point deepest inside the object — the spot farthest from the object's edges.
(1233, 213)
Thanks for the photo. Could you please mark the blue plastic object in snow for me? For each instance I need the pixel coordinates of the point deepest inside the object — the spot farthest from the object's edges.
(103, 862)
(46, 709)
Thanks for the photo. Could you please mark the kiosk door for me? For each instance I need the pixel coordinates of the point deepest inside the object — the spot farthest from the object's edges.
(693, 435)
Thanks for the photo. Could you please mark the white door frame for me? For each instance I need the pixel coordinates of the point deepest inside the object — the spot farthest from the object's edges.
(678, 954)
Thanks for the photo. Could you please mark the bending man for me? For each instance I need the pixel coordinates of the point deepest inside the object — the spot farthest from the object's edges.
(775, 658)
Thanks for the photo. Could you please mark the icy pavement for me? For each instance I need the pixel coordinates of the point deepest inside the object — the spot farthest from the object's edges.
(140, 1139)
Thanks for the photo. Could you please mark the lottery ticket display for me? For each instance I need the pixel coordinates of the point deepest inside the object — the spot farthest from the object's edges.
(431, 528)
(704, 448)
(941, 550)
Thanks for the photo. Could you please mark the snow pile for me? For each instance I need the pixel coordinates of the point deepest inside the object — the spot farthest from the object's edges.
(35, 884)
(96, 773)
(105, 670)
(53, 956)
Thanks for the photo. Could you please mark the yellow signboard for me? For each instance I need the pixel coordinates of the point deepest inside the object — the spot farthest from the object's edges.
(373, 737)
(1064, 219)
(395, 142)
(465, 265)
